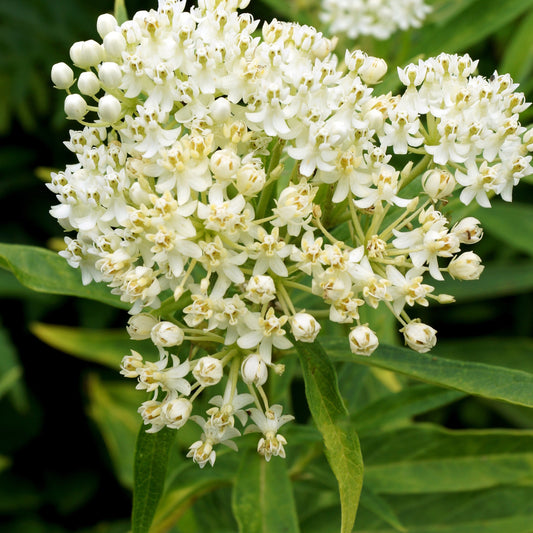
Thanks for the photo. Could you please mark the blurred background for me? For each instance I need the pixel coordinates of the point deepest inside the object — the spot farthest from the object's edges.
(63, 464)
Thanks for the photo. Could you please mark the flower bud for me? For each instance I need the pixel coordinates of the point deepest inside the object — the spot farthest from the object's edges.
(140, 326)
(75, 107)
(109, 109)
(130, 364)
(224, 164)
(260, 289)
(250, 179)
(304, 327)
(363, 341)
(88, 83)
(419, 337)
(167, 334)
(105, 24)
(254, 370)
(373, 69)
(438, 183)
(468, 231)
(114, 44)
(176, 412)
(220, 110)
(62, 76)
(110, 75)
(208, 371)
(86, 54)
(466, 266)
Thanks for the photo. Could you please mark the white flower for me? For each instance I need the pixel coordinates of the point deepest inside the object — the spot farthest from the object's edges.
(166, 334)
(466, 266)
(140, 326)
(62, 76)
(419, 337)
(131, 364)
(254, 370)
(208, 371)
(304, 327)
(176, 412)
(363, 341)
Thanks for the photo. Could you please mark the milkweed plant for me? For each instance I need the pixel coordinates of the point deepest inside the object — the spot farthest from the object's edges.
(245, 188)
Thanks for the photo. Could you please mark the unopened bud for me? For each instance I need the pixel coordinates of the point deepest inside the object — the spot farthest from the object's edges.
(140, 326)
(208, 371)
(75, 107)
(88, 83)
(254, 370)
(109, 109)
(114, 44)
(373, 69)
(176, 412)
(167, 334)
(304, 327)
(419, 337)
(466, 266)
(363, 341)
(438, 183)
(86, 54)
(110, 74)
(105, 24)
(62, 76)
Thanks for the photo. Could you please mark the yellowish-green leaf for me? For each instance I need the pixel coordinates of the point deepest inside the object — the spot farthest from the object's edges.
(113, 406)
(331, 418)
(512, 223)
(262, 499)
(518, 55)
(44, 271)
(120, 12)
(398, 407)
(489, 381)
(106, 347)
(422, 459)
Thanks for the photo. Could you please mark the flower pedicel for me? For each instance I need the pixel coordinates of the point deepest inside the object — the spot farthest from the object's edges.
(220, 174)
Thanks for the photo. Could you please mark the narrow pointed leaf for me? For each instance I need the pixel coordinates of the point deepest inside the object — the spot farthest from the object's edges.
(103, 346)
(488, 381)
(422, 459)
(402, 405)
(120, 11)
(44, 271)
(502, 221)
(262, 499)
(150, 468)
(331, 418)
(380, 507)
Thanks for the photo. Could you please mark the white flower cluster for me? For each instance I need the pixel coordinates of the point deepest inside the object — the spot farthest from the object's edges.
(224, 177)
(377, 18)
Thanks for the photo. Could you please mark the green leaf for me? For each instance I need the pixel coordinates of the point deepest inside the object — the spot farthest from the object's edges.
(103, 346)
(495, 281)
(402, 405)
(331, 418)
(150, 468)
(262, 498)
(380, 507)
(518, 55)
(120, 12)
(422, 459)
(10, 368)
(512, 223)
(471, 25)
(515, 352)
(113, 406)
(44, 271)
(489, 381)
(497, 510)
(189, 483)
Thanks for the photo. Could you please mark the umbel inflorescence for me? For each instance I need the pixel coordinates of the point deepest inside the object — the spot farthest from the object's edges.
(224, 177)
(375, 18)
